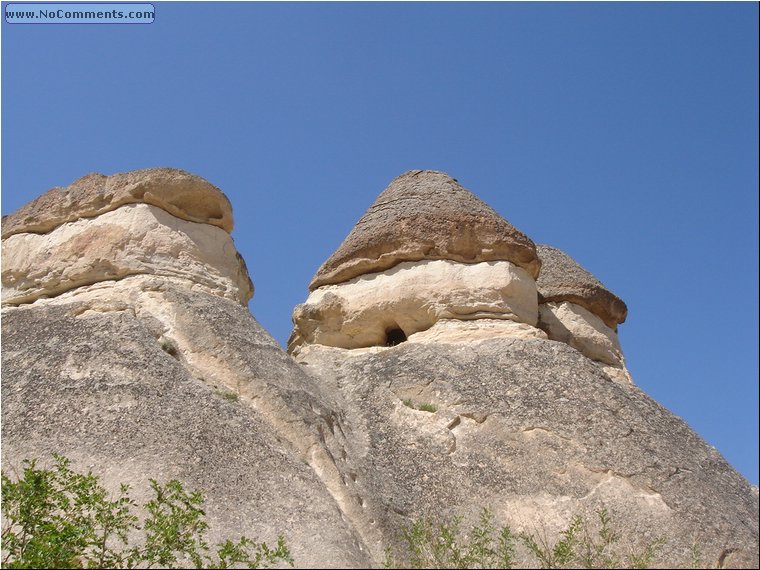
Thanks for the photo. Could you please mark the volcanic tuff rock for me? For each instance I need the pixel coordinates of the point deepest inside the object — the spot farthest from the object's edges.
(563, 279)
(151, 366)
(575, 308)
(132, 353)
(427, 250)
(535, 428)
(158, 221)
(412, 297)
(424, 214)
(180, 193)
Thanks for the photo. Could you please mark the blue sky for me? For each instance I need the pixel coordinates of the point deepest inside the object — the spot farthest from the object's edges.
(624, 134)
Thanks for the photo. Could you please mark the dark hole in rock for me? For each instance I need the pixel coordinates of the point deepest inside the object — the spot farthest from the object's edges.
(394, 337)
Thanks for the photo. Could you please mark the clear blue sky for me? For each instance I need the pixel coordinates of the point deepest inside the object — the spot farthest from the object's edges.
(625, 134)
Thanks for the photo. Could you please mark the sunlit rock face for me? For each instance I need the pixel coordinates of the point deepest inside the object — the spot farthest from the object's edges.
(127, 347)
(157, 221)
(426, 214)
(412, 297)
(179, 193)
(134, 239)
(467, 381)
(426, 250)
(563, 279)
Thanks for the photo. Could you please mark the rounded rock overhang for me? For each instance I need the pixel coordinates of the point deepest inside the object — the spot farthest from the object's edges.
(426, 215)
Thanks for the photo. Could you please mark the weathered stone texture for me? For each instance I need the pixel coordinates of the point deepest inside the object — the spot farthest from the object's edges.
(581, 329)
(180, 193)
(412, 297)
(425, 214)
(125, 325)
(135, 239)
(563, 279)
(132, 386)
(538, 433)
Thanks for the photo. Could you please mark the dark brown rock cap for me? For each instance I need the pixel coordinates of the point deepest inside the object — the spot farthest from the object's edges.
(426, 214)
(180, 193)
(563, 279)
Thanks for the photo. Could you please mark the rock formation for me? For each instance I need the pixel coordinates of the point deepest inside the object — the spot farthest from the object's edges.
(128, 347)
(533, 412)
(576, 309)
(442, 363)
(425, 214)
(428, 251)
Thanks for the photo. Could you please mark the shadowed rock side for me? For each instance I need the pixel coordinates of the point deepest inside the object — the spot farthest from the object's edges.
(563, 279)
(127, 346)
(180, 193)
(142, 379)
(537, 432)
(425, 214)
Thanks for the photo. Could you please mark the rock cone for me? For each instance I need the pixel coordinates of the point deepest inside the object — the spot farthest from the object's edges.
(424, 214)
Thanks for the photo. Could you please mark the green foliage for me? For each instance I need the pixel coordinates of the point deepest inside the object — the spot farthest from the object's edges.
(229, 396)
(431, 545)
(56, 518)
(423, 407)
(442, 545)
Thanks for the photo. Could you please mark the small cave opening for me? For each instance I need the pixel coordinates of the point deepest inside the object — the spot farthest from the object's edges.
(394, 336)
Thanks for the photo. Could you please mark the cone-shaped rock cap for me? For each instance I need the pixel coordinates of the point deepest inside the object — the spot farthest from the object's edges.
(180, 193)
(563, 279)
(424, 214)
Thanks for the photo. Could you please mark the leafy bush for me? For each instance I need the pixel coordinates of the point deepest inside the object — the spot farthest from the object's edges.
(431, 545)
(441, 545)
(56, 518)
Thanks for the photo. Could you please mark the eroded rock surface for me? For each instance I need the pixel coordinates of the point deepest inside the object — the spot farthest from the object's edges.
(425, 214)
(127, 346)
(538, 433)
(179, 193)
(412, 297)
(563, 279)
(142, 378)
(135, 239)
(583, 330)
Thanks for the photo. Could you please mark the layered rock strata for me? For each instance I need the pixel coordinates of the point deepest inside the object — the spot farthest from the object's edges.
(424, 387)
(575, 308)
(128, 347)
(161, 221)
(425, 214)
(412, 297)
(426, 251)
(181, 194)
(470, 385)
(563, 279)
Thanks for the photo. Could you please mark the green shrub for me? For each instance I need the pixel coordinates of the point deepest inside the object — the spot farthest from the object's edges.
(56, 518)
(441, 545)
(426, 544)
